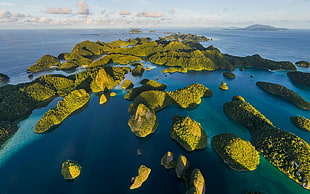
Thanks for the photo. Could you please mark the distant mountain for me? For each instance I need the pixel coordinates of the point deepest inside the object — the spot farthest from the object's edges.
(259, 27)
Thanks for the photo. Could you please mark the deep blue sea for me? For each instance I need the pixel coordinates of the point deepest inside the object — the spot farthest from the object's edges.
(100, 140)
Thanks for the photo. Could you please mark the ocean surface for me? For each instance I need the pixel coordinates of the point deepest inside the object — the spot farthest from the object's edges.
(100, 140)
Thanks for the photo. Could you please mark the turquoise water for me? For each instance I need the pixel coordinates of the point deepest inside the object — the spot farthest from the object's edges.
(100, 140)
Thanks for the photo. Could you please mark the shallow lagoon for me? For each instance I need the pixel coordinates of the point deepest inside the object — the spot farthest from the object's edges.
(100, 140)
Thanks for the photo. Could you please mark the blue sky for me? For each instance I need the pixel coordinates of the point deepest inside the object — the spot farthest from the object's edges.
(153, 13)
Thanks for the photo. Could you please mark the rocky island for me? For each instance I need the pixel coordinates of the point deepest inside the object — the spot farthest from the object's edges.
(239, 154)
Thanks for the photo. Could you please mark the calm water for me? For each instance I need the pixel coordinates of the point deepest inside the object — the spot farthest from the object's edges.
(101, 141)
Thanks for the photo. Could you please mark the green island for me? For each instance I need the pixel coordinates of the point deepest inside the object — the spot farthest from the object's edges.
(286, 151)
(70, 170)
(303, 63)
(302, 123)
(229, 75)
(188, 133)
(143, 175)
(299, 77)
(285, 93)
(239, 154)
(72, 102)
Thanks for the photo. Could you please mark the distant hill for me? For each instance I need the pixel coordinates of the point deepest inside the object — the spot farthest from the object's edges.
(259, 27)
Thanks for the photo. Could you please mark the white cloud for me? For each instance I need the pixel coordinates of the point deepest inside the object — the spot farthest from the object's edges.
(52, 10)
(83, 8)
(150, 14)
(124, 12)
(5, 13)
(171, 11)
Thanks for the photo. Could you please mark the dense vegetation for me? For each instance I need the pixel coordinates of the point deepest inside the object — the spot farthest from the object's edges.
(301, 122)
(72, 102)
(188, 133)
(285, 93)
(299, 77)
(286, 151)
(7, 129)
(143, 175)
(239, 154)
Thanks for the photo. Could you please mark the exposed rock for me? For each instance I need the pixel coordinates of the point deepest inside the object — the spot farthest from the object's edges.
(168, 160)
(102, 81)
(143, 174)
(143, 121)
(182, 166)
(70, 170)
(188, 133)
